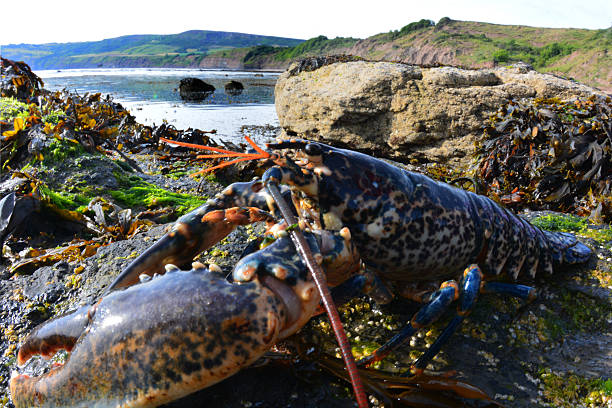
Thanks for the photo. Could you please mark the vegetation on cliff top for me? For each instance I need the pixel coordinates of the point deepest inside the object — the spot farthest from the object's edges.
(578, 53)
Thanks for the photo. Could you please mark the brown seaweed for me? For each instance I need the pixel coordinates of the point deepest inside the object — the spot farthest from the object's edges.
(550, 154)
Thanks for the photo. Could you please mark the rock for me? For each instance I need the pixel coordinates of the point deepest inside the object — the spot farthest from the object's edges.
(401, 111)
(314, 63)
(194, 89)
(234, 88)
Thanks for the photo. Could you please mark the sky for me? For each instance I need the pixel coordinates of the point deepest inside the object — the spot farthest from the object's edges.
(44, 21)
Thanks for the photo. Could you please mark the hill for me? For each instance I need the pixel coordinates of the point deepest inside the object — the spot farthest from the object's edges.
(175, 50)
(584, 55)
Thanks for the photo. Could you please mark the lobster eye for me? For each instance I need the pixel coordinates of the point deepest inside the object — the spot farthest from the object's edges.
(312, 149)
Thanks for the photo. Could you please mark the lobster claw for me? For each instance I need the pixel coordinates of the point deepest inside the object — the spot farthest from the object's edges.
(191, 234)
(160, 340)
(59, 333)
(280, 262)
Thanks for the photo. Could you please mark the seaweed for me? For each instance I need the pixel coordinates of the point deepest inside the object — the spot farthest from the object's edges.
(548, 154)
(18, 81)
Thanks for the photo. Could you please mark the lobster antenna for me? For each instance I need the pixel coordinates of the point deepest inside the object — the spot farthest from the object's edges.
(222, 153)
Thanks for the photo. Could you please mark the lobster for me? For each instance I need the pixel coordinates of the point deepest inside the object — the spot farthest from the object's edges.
(419, 238)
(415, 237)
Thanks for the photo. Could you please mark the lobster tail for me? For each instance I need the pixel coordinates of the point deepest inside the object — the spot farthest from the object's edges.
(510, 245)
(565, 248)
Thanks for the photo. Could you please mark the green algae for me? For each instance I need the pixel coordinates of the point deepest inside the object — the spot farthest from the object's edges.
(584, 312)
(175, 175)
(569, 390)
(574, 224)
(569, 223)
(64, 200)
(137, 193)
(11, 108)
(60, 150)
(133, 192)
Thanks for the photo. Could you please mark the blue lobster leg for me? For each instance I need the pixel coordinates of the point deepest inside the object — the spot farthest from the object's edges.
(437, 303)
(468, 293)
(364, 283)
(469, 289)
(527, 293)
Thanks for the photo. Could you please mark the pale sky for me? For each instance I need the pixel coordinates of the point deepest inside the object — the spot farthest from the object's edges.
(44, 21)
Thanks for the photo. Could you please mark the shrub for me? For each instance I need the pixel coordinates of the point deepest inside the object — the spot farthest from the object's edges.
(259, 50)
(501, 56)
(550, 51)
(417, 25)
(443, 21)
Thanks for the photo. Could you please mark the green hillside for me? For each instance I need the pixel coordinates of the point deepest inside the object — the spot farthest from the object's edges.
(184, 49)
(585, 55)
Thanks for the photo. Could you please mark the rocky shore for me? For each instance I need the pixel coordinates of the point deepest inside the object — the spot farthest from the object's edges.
(119, 189)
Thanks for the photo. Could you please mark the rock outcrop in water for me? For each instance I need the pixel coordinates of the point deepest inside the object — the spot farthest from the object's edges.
(194, 89)
(234, 88)
(405, 111)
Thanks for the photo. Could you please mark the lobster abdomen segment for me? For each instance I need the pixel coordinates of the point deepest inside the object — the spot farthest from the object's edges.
(513, 246)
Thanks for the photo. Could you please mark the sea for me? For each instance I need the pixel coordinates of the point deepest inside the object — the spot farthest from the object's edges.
(151, 95)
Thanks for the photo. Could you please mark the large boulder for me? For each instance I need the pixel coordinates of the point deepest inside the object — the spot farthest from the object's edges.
(194, 89)
(404, 111)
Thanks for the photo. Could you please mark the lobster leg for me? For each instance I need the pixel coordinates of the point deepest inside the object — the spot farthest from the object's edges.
(471, 286)
(468, 293)
(437, 303)
(365, 282)
(524, 292)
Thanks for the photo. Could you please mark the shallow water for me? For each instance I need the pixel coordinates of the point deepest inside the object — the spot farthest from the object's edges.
(151, 95)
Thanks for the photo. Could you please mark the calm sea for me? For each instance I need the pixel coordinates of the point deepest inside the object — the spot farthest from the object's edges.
(151, 95)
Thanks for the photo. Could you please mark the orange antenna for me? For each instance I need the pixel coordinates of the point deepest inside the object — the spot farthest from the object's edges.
(222, 153)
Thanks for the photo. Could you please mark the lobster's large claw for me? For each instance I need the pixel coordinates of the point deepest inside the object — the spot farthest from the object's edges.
(191, 234)
(160, 340)
(61, 332)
